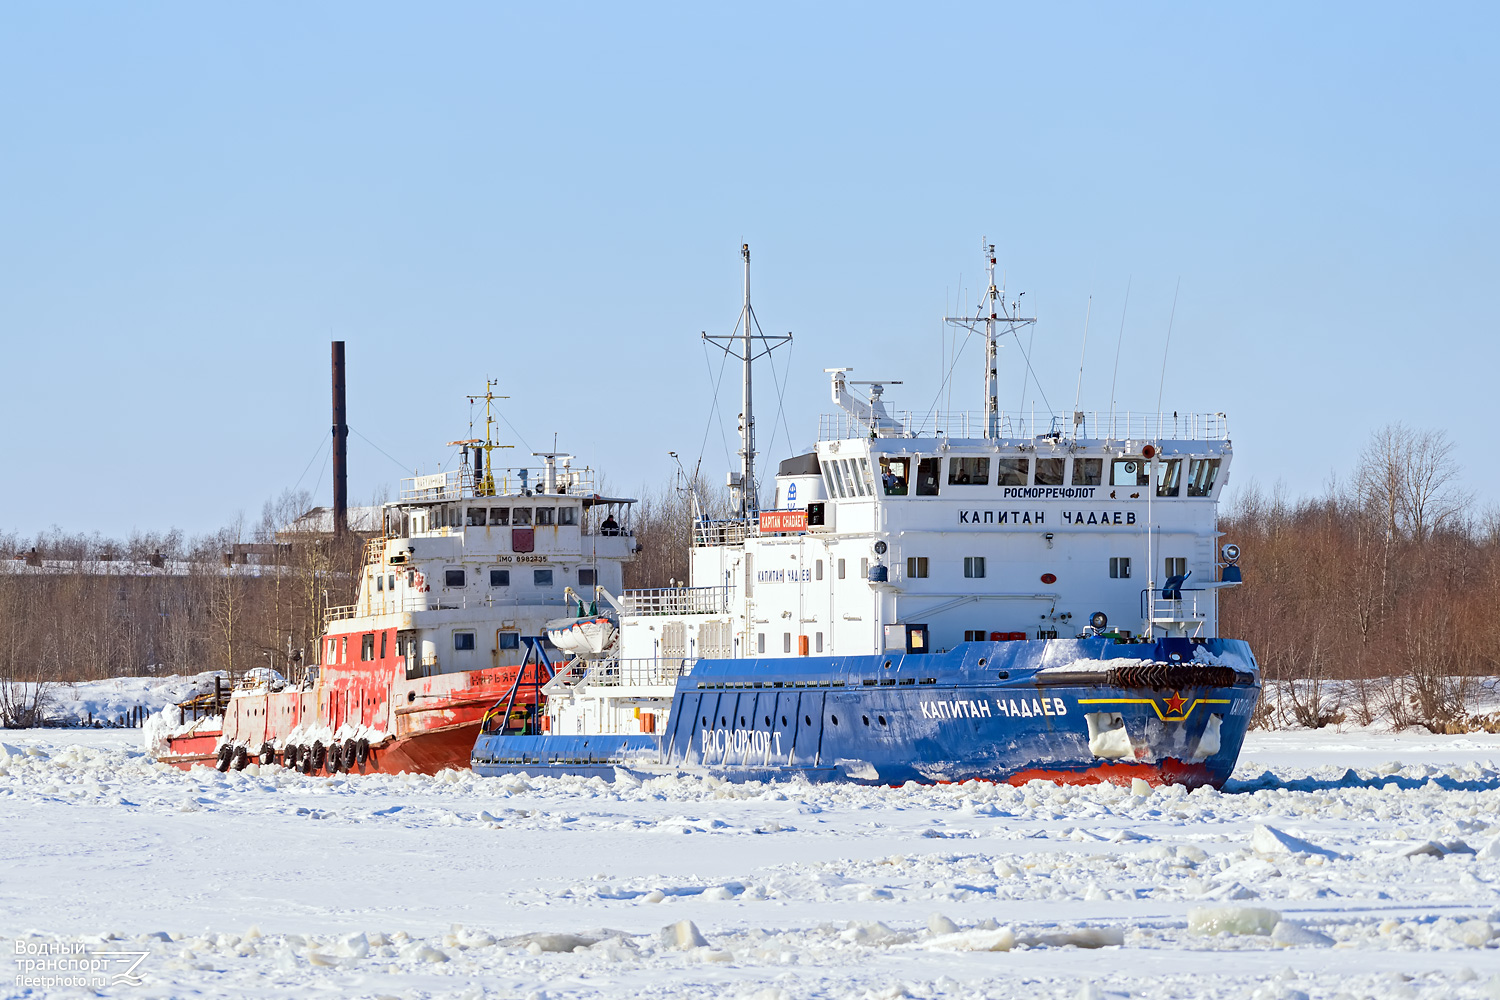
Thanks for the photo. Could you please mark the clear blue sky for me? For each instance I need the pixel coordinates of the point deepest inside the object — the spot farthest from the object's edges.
(198, 198)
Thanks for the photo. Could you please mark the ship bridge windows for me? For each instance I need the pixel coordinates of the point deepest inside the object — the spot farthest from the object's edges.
(1049, 471)
(1088, 471)
(1129, 472)
(967, 471)
(1168, 477)
(500, 516)
(499, 578)
(542, 577)
(1013, 471)
(894, 473)
(453, 578)
(928, 470)
(546, 515)
(1202, 472)
(463, 641)
(587, 576)
(476, 517)
(567, 516)
(520, 515)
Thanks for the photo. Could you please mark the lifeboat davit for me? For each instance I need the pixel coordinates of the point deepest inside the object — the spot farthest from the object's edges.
(588, 637)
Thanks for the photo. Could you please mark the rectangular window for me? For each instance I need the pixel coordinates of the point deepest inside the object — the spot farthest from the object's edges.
(453, 578)
(864, 568)
(390, 582)
(828, 479)
(383, 636)
(968, 472)
(841, 569)
(838, 480)
(865, 478)
(1088, 471)
(367, 647)
(510, 640)
(973, 635)
(1201, 475)
(973, 567)
(818, 570)
(1168, 474)
(1119, 567)
(587, 576)
(818, 642)
(476, 517)
(463, 640)
(786, 642)
(1049, 471)
(344, 649)
(760, 642)
(928, 470)
(499, 578)
(916, 567)
(851, 477)
(546, 515)
(1129, 472)
(520, 515)
(1013, 471)
(541, 577)
(380, 583)
(894, 473)
(500, 515)
(567, 516)
(1176, 566)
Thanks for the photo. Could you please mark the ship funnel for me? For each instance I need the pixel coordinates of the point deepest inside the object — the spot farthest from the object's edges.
(340, 445)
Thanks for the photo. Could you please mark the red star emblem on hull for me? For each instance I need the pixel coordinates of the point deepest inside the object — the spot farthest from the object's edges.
(1176, 703)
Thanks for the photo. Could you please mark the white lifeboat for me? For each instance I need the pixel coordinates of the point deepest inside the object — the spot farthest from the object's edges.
(587, 637)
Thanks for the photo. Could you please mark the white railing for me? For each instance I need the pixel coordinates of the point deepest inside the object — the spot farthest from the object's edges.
(1098, 425)
(710, 533)
(460, 483)
(644, 672)
(676, 601)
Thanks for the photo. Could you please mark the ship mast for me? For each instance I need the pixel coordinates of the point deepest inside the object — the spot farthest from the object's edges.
(993, 312)
(738, 344)
(484, 478)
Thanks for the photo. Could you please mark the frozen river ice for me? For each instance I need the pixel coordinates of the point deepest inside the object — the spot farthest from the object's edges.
(1334, 864)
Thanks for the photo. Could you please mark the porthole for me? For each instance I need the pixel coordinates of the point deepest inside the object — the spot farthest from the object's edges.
(835, 719)
(866, 718)
(411, 696)
(881, 718)
(981, 661)
(807, 720)
(887, 664)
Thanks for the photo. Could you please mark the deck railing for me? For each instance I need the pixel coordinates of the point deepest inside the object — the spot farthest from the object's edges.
(676, 601)
(1098, 425)
(643, 672)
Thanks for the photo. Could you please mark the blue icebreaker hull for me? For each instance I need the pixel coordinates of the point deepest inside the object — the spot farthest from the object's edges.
(1072, 710)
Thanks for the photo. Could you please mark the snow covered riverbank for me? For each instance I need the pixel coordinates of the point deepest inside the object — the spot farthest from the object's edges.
(1375, 855)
